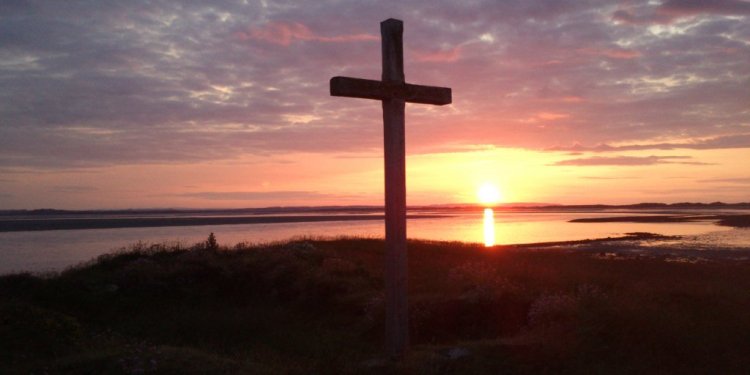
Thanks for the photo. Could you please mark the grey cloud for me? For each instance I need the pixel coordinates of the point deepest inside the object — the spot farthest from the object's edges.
(732, 7)
(671, 10)
(628, 161)
(73, 189)
(99, 83)
(256, 195)
(723, 142)
(739, 180)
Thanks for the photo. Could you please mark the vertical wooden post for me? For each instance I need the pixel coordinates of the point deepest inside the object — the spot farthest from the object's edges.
(394, 92)
(396, 303)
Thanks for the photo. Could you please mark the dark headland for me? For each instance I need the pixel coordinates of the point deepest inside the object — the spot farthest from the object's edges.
(737, 221)
(102, 222)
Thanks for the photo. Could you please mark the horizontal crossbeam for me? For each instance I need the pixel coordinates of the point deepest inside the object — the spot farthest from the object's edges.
(379, 90)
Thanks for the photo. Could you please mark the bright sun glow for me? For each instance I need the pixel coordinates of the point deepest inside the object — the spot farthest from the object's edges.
(488, 194)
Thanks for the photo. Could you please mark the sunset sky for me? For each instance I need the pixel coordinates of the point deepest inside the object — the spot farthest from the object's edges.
(134, 104)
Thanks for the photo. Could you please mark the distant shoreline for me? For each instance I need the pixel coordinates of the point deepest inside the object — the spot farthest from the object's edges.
(144, 222)
(737, 221)
(364, 209)
(55, 222)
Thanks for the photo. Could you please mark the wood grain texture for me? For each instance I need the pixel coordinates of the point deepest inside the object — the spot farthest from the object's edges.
(394, 93)
(379, 90)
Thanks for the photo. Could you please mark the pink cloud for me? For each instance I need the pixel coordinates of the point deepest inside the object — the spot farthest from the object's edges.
(571, 99)
(628, 161)
(551, 116)
(712, 143)
(284, 33)
(450, 55)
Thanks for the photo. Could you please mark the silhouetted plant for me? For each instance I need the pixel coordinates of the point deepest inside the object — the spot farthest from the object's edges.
(211, 243)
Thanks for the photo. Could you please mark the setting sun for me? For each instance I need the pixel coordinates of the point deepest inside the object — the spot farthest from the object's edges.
(488, 194)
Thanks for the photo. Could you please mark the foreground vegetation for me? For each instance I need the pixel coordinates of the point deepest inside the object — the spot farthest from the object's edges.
(315, 306)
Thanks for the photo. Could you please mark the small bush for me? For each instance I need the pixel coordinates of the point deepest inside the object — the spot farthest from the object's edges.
(211, 243)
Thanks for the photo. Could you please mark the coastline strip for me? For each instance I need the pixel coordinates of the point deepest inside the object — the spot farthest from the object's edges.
(737, 221)
(110, 223)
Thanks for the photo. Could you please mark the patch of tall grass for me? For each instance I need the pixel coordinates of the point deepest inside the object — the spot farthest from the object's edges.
(316, 305)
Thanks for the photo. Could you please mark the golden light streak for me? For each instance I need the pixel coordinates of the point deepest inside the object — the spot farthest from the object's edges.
(489, 227)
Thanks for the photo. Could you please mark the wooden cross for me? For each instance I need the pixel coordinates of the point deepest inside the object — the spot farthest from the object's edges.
(394, 92)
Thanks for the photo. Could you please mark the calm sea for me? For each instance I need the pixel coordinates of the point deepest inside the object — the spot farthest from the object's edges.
(40, 251)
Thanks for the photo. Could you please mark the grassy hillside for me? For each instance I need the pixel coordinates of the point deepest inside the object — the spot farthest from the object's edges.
(316, 307)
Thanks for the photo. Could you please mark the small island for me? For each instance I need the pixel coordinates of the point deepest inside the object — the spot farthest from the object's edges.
(737, 221)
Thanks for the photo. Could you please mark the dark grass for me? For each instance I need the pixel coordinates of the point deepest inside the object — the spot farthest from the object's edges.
(315, 306)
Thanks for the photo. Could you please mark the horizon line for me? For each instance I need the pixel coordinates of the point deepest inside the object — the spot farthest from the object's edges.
(536, 205)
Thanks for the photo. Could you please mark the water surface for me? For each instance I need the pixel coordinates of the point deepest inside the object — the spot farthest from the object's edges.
(40, 251)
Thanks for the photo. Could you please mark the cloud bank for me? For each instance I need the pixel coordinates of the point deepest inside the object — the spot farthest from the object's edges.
(100, 83)
(629, 161)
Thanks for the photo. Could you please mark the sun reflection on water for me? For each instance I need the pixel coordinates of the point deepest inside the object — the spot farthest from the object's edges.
(489, 227)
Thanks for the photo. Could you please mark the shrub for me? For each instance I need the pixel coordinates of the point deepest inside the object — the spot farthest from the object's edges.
(211, 243)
